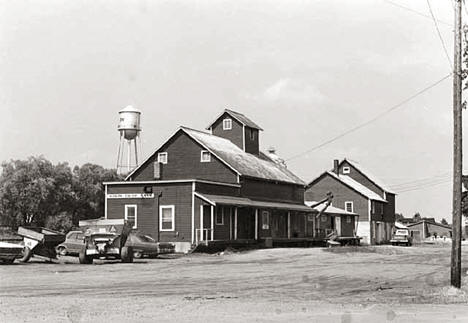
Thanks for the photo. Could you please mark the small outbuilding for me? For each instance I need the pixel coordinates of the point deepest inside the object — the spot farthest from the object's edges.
(425, 229)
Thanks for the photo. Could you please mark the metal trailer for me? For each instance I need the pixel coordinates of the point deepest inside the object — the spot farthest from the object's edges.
(105, 239)
(39, 241)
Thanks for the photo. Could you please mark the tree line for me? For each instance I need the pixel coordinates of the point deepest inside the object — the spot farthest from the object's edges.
(35, 192)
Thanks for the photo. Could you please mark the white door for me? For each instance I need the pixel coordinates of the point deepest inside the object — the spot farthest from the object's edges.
(338, 225)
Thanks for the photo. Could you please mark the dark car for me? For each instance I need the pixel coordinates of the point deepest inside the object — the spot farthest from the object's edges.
(74, 242)
(144, 245)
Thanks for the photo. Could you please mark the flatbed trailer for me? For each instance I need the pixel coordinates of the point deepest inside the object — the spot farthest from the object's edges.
(39, 241)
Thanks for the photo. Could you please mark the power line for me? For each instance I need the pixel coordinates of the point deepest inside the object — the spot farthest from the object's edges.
(426, 186)
(417, 12)
(380, 115)
(440, 35)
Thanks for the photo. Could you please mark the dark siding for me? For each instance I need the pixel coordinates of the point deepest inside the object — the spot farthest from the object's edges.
(263, 190)
(341, 194)
(217, 189)
(179, 195)
(252, 145)
(389, 208)
(347, 229)
(221, 231)
(235, 134)
(184, 163)
(379, 211)
(358, 177)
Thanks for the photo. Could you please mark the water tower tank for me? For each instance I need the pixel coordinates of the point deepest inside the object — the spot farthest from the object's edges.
(129, 122)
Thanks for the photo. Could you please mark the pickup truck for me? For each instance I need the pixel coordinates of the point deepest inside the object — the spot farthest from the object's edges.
(401, 237)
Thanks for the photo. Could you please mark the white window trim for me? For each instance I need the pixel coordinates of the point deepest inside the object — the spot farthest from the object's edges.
(201, 156)
(266, 226)
(346, 170)
(162, 154)
(225, 123)
(161, 207)
(346, 206)
(222, 216)
(127, 206)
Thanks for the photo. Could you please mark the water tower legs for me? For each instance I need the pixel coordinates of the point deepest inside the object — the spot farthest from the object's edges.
(128, 158)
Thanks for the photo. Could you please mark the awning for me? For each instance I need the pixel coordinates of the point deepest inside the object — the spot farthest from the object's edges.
(244, 201)
(331, 210)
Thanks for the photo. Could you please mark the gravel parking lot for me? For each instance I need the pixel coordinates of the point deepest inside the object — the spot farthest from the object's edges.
(350, 284)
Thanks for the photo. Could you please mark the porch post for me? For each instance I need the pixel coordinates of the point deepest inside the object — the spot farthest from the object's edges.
(230, 223)
(212, 222)
(201, 222)
(289, 225)
(235, 223)
(256, 224)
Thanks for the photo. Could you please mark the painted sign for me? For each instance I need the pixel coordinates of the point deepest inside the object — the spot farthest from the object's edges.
(131, 196)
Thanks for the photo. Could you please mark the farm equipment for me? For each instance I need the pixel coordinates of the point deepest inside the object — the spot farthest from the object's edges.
(105, 239)
(39, 241)
(9, 252)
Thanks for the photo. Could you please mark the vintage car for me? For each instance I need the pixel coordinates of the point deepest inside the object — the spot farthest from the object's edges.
(144, 245)
(74, 242)
(401, 237)
(9, 252)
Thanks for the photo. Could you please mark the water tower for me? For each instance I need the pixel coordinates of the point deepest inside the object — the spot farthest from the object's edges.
(129, 129)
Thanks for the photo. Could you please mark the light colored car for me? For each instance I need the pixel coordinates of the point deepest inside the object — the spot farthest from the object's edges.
(401, 237)
(74, 242)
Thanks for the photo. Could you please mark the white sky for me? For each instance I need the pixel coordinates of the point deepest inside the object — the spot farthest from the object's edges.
(305, 71)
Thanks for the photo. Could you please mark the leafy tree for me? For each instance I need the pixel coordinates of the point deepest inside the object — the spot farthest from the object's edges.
(417, 216)
(444, 222)
(61, 222)
(399, 216)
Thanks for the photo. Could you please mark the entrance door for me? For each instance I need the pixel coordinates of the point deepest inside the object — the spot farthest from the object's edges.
(338, 225)
(206, 222)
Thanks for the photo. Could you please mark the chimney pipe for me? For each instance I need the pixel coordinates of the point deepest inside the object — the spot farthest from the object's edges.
(336, 163)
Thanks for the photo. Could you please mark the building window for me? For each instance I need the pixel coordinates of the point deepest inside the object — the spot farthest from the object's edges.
(220, 216)
(265, 220)
(162, 158)
(131, 214)
(166, 218)
(205, 156)
(227, 124)
(349, 206)
(346, 170)
(348, 219)
(381, 208)
(324, 218)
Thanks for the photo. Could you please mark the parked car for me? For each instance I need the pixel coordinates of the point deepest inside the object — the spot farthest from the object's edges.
(74, 241)
(144, 245)
(401, 237)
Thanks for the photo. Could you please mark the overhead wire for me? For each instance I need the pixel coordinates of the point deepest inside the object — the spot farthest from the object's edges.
(416, 12)
(440, 35)
(378, 116)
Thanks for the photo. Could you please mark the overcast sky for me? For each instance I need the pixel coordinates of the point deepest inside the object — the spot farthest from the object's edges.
(305, 71)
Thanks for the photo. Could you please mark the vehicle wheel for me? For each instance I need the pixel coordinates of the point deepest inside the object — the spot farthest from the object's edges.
(137, 255)
(62, 251)
(84, 259)
(27, 254)
(126, 254)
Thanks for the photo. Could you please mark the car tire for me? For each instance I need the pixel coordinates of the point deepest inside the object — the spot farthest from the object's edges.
(137, 254)
(62, 251)
(126, 254)
(84, 259)
(27, 254)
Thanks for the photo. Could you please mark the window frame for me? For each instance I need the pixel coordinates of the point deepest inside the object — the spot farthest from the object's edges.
(164, 153)
(265, 215)
(346, 170)
(127, 206)
(346, 206)
(172, 208)
(227, 121)
(218, 214)
(201, 156)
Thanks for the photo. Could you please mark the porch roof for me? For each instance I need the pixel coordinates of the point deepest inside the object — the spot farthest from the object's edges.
(244, 201)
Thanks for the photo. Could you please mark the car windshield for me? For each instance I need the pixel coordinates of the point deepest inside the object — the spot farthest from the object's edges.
(146, 239)
(401, 232)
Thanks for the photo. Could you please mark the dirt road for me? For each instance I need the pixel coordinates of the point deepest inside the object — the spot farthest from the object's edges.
(394, 284)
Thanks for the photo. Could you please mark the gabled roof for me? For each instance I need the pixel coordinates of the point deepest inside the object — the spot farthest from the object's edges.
(371, 177)
(244, 163)
(354, 185)
(429, 223)
(239, 161)
(330, 209)
(239, 117)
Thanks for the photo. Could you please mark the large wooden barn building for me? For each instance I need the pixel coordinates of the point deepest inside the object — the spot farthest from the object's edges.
(213, 186)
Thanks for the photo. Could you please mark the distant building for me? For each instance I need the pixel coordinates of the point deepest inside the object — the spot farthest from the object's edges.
(425, 229)
(357, 191)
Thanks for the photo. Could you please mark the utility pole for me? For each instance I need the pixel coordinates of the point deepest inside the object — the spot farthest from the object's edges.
(455, 272)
